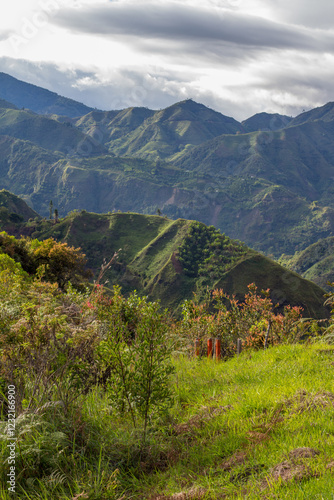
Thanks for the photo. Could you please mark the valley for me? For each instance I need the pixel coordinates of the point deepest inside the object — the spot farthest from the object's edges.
(130, 242)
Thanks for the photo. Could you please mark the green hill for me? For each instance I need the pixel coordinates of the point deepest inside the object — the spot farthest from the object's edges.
(46, 132)
(26, 95)
(278, 184)
(147, 134)
(168, 259)
(271, 189)
(315, 263)
(266, 121)
(324, 113)
(13, 211)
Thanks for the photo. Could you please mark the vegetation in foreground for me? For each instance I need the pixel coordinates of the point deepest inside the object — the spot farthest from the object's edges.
(111, 403)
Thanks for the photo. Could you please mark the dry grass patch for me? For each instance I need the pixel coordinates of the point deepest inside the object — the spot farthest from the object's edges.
(295, 468)
(238, 458)
(304, 401)
(207, 413)
(303, 452)
(192, 494)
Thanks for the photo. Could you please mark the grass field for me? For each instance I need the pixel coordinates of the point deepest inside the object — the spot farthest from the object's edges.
(259, 426)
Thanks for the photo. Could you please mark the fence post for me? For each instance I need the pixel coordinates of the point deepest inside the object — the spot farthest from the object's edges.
(210, 348)
(239, 346)
(218, 349)
(197, 348)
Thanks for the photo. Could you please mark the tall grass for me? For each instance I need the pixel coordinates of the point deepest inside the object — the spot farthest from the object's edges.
(233, 432)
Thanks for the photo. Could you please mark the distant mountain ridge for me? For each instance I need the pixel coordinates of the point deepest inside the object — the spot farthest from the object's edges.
(45, 132)
(255, 186)
(158, 134)
(266, 121)
(38, 99)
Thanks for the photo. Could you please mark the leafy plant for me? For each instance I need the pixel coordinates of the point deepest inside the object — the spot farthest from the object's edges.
(247, 320)
(136, 351)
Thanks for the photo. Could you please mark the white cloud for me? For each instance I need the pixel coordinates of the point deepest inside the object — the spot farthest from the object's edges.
(237, 56)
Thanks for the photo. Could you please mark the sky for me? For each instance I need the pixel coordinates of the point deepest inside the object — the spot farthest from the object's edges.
(239, 57)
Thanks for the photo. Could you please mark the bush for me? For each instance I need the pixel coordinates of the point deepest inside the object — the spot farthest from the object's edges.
(135, 351)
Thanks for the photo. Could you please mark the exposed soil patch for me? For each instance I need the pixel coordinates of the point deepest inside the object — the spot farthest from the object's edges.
(304, 401)
(295, 468)
(303, 452)
(286, 471)
(206, 414)
(193, 494)
(239, 458)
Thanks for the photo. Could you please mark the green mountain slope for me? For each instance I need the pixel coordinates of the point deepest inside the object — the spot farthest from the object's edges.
(107, 126)
(315, 263)
(7, 105)
(279, 184)
(266, 121)
(272, 190)
(14, 211)
(162, 134)
(324, 113)
(46, 133)
(40, 100)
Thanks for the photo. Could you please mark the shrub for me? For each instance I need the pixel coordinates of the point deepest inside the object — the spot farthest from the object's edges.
(135, 351)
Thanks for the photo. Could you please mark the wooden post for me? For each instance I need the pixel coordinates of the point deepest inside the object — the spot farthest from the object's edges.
(210, 348)
(218, 346)
(239, 346)
(267, 335)
(197, 348)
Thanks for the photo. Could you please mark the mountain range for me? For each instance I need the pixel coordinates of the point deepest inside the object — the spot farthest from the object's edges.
(267, 181)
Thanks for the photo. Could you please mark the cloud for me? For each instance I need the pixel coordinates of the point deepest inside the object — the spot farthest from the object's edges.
(273, 91)
(308, 13)
(182, 23)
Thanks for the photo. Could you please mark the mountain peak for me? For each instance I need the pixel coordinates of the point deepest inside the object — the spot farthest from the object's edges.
(266, 121)
(324, 113)
(38, 99)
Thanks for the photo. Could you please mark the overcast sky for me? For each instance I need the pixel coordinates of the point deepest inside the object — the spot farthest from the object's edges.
(239, 57)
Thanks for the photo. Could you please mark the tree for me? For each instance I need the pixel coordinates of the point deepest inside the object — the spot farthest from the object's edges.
(61, 263)
(51, 209)
(56, 216)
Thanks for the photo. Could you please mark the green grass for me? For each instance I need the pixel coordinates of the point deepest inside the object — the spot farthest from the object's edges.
(232, 424)
(266, 418)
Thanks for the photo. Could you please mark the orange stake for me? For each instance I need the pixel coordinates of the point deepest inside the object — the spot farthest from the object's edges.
(210, 348)
(218, 347)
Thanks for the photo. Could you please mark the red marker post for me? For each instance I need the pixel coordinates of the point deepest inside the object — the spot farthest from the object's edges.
(210, 348)
(218, 346)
